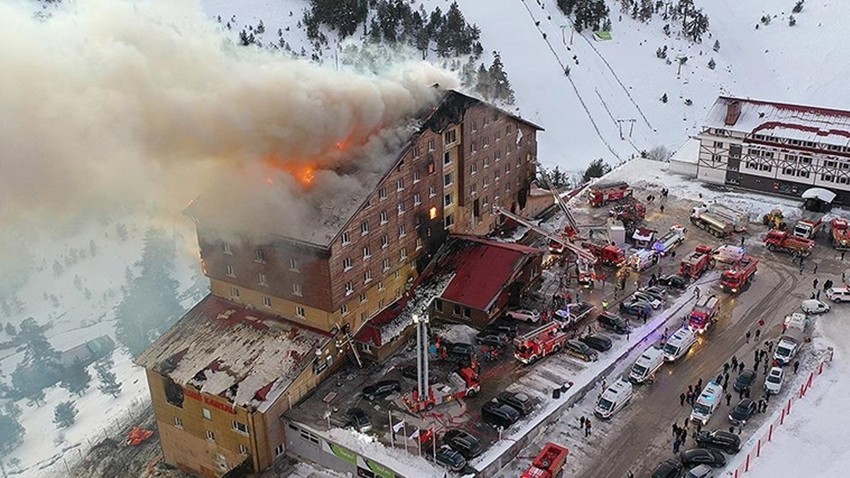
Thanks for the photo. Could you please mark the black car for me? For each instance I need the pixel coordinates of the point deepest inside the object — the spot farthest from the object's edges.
(668, 469)
(459, 349)
(674, 282)
(636, 308)
(381, 389)
(499, 413)
(742, 412)
(581, 350)
(449, 458)
(597, 342)
(409, 371)
(492, 338)
(510, 330)
(719, 440)
(520, 401)
(702, 456)
(463, 442)
(745, 380)
(612, 322)
(358, 419)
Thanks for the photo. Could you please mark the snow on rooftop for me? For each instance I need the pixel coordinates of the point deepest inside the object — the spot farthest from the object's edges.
(218, 345)
(418, 306)
(688, 152)
(804, 123)
(399, 461)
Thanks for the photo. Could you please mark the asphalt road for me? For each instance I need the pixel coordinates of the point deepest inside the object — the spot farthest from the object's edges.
(640, 436)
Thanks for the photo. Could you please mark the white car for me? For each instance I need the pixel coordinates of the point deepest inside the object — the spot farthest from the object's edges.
(812, 306)
(773, 381)
(525, 315)
(729, 254)
(650, 299)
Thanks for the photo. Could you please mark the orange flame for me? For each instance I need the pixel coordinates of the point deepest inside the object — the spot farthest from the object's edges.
(304, 173)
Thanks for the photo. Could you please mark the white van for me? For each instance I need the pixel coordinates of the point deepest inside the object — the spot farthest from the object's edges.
(839, 294)
(797, 321)
(646, 365)
(812, 306)
(614, 398)
(679, 344)
(773, 381)
(707, 402)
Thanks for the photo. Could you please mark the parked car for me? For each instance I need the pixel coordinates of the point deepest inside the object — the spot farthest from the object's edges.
(581, 350)
(450, 458)
(650, 299)
(381, 389)
(511, 330)
(773, 381)
(525, 315)
(668, 469)
(812, 306)
(612, 322)
(492, 338)
(674, 282)
(499, 413)
(702, 456)
(745, 380)
(719, 440)
(459, 349)
(742, 412)
(464, 442)
(597, 342)
(358, 419)
(520, 401)
(636, 308)
(656, 291)
(700, 471)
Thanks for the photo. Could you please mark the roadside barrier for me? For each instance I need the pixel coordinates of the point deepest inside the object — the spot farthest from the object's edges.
(767, 434)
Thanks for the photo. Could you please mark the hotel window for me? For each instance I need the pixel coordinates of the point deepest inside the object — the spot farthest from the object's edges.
(382, 193)
(450, 220)
(486, 182)
(367, 276)
(260, 256)
(234, 292)
(349, 289)
(430, 145)
(418, 243)
(346, 238)
(296, 289)
(229, 270)
(448, 179)
(473, 169)
(498, 136)
(239, 426)
(403, 254)
(263, 280)
(399, 184)
(473, 147)
(367, 252)
(402, 231)
(498, 155)
(447, 157)
(243, 450)
(210, 435)
(431, 168)
(507, 168)
(416, 151)
(346, 264)
(401, 208)
(474, 126)
(432, 191)
(381, 285)
(473, 189)
(293, 265)
(765, 167)
(363, 297)
(364, 228)
(267, 301)
(384, 217)
(417, 176)
(804, 174)
(487, 162)
(417, 199)
(225, 247)
(385, 264)
(278, 450)
(716, 158)
(448, 200)
(178, 422)
(385, 241)
(788, 171)
(496, 175)
(299, 311)
(486, 141)
(396, 274)
(718, 144)
(206, 414)
(826, 177)
(343, 311)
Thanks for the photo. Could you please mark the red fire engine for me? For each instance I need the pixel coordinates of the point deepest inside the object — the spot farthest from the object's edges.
(704, 314)
(734, 279)
(840, 234)
(548, 463)
(608, 254)
(603, 193)
(697, 263)
(784, 242)
(463, 383)
(541, 342)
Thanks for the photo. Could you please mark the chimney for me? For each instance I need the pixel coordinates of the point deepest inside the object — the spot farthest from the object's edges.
(733, 111)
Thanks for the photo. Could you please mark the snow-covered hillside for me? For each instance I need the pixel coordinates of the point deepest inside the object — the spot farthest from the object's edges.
(589, 113)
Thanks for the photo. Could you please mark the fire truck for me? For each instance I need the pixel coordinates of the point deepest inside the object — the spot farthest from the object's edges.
(602, 193)
(548, 463)
(541, 342)
(733, 280)
(808, 228)
(704, 314)
(784, 242)
(630, 211)
(697, 263)
(463, 383)
(666, 243)
(713, 224)
(840, 234)
(608, 254)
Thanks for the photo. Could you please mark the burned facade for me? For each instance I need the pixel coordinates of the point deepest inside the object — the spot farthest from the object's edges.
(327, 282)
(776, 147)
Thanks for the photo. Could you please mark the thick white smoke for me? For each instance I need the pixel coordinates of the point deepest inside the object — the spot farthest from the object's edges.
(106, 103)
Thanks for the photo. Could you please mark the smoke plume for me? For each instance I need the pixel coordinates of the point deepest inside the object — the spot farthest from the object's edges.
(108, 103)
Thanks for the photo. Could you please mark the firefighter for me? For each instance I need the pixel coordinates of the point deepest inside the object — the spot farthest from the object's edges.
(604, 305)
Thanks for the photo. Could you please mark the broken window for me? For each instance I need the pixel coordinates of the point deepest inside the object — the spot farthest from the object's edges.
(173, 392)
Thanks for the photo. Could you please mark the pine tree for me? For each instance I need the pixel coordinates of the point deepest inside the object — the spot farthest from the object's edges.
(501, 86)
(711, 64)
(76, 379)
(484, 83)
(716, 45)
(798, 7)
(11, 433)
(596, 169)
(664, 98)
(65, 414)
(792, 21)
(645, 12)
(109, 384)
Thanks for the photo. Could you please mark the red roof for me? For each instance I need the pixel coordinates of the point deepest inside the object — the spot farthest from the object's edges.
(371, 331)
(482, 270)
